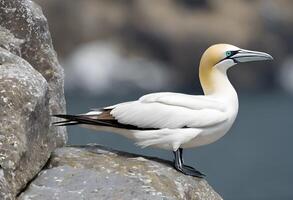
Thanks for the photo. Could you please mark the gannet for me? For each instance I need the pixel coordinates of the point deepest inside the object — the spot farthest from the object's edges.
(175, 121)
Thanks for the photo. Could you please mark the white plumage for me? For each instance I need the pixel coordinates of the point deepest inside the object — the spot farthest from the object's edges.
(176, 118)
(170, 111)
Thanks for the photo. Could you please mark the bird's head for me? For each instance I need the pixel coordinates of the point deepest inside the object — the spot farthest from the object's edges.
(225, 56)
(218, 58)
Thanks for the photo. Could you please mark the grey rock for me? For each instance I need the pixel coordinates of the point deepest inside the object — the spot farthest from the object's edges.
(31, 88)
(4, 191)
(96, 172)
(24, 31)
(25, 138)
(9, 42)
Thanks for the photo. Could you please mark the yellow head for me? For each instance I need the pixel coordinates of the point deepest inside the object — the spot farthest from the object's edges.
(218, 58)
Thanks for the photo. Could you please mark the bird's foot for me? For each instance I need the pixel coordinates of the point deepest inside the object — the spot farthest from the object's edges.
(190, 171)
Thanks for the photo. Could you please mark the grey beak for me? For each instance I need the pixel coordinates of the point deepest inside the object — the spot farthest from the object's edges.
(248, 56)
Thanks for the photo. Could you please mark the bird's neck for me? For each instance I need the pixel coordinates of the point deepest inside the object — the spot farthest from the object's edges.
(215, 82)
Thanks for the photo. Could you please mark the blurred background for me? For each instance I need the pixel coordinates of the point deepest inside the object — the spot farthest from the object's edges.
(118, 50)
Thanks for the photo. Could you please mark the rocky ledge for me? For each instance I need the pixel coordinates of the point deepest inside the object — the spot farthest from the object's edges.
(96, 172)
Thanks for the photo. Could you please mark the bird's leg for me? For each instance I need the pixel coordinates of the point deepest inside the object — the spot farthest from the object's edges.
(187, 170)
(177, 160)
(182, 161)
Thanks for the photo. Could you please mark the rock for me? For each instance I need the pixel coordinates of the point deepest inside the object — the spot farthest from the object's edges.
(31, 89)
(24, 31)
(9, 42)
(25, 138)
(4, 188)
(96, 172)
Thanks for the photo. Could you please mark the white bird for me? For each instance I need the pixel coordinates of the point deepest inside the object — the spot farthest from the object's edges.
(175, 121)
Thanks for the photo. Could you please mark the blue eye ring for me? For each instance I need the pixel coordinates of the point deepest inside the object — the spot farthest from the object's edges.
(228, 53)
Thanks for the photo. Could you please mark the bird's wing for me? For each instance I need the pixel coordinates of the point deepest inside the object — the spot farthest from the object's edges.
(184, 100)
(169, 110)
(156, 111)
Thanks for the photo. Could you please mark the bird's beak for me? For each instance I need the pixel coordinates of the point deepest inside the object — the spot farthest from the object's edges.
(248, 56)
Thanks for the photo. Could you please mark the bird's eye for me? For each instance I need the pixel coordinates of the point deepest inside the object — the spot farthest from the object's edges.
(228, 53)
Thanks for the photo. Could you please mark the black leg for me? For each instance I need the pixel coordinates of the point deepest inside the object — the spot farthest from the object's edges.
(181, 154)
(182, 161)
(178, 161)
(187, 170)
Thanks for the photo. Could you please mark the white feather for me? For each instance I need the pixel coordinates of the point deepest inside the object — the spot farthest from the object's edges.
(166, 138)
(170, 110)
(183, 100)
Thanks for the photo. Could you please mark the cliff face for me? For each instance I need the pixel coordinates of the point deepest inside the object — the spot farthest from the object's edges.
(96, 172)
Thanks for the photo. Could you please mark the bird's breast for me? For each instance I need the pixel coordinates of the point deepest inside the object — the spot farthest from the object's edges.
(211, 134)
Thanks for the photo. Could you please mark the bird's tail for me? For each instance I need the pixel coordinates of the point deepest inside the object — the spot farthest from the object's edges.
(69, 120)
(75, 119)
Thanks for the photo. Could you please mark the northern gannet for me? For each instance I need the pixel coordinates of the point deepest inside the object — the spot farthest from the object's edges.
(176, 121)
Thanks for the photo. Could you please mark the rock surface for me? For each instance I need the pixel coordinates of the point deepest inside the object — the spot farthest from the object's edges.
(25, 120)
(96, 172)
(31, 88)
(24, 31)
